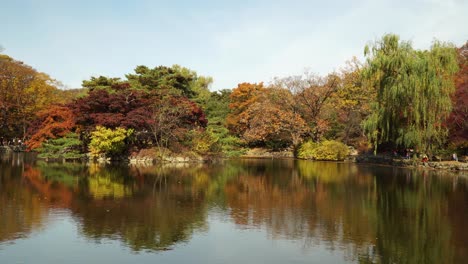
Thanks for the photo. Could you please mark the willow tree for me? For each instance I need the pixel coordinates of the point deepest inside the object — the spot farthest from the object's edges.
(413, 92)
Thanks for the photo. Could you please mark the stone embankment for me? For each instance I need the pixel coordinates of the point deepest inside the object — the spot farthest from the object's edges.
(265, 153)
(153, 160)
(389, 160)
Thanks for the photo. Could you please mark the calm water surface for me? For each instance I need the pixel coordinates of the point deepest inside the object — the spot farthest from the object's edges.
(244, 211)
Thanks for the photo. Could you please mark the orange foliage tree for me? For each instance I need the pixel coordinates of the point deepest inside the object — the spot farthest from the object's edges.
(241, 98)
(273, 120)
(54, 122)
(23, 92)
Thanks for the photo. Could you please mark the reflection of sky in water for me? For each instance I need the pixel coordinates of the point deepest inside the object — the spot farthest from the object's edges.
(61, 242)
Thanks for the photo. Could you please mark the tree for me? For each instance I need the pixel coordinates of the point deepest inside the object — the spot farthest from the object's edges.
(457, 122)
(350, 105)
(270, 121)
(101, 82)
(241, 98)
(23, 92)
(172, 117)
(51, 123)
(413, 92)
(174, 80)
(217, 109)
(119, 106)
(311, 92)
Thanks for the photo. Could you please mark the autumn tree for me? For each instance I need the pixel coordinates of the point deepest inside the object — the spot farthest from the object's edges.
(118, 106)
(311, 93)
(413, 92)
(154, 103)
(241, 98)
(272, 120)
(172, 117)
(56, 121)
(457, 122)
(350, 105)
(23, 92)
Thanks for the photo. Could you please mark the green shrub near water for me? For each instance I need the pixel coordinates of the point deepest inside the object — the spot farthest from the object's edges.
(67, 147)
(325, 150)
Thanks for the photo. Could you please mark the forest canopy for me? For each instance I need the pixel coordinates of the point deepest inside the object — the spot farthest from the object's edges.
(398, 98)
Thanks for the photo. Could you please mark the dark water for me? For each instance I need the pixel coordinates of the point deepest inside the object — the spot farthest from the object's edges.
(245, 211)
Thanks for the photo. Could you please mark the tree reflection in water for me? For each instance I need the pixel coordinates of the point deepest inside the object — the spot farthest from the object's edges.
(20, 209)
(373, 214)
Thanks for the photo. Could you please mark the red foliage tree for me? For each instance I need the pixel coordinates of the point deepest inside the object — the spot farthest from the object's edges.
(457, 122)
(118, 107)
(172, 117)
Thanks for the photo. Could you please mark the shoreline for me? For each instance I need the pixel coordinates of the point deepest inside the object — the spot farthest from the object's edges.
(454, 166)
(397, 162)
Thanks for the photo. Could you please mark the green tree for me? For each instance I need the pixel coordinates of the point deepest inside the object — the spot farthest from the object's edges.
(217, 110)
(174, 80)
(101, 82)
(413, 92)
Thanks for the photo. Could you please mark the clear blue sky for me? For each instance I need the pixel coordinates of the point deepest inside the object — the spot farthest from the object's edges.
(231, 41)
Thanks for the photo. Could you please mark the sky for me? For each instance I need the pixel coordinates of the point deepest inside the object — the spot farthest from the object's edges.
(231, 41)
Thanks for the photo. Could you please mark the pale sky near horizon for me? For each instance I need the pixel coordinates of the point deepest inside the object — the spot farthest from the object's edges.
(231, 41)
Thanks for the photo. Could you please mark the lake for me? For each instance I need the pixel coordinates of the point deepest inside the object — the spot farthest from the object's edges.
(236, 211)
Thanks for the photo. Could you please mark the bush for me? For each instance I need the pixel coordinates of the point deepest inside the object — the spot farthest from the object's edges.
(306, 150)
(202, 141)
(325, 150)
(109, 142)
(67, 147)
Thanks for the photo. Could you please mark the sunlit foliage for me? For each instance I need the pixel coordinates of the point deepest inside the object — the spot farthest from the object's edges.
(108, 141)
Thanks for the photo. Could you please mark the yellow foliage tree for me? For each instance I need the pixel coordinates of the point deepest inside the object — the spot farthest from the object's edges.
(110, 142)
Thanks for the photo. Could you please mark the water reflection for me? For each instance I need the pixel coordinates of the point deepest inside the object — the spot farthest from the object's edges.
(372, 214)
(20, 209)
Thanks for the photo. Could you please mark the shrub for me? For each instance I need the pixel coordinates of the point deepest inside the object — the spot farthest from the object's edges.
(306, 150)
(108, 141)
(67, 147)
(325, 150)
(202, 141)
